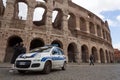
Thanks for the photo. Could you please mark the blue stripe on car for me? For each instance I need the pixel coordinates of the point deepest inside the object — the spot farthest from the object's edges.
(52, 58)
(45, 58)
(33, 54)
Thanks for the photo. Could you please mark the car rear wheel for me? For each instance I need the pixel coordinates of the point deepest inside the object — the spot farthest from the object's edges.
(64, 66)
(47, 67)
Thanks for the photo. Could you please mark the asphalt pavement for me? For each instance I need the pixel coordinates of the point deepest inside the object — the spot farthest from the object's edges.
(73, 72)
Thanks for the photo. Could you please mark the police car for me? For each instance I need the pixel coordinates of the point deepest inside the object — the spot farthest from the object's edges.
(41, 59)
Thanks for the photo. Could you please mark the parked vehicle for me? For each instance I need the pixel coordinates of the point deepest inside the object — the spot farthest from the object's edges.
(41, 59)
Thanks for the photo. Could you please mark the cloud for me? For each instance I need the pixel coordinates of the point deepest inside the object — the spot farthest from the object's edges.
(98, 6)
(114, 22)
(118, 18)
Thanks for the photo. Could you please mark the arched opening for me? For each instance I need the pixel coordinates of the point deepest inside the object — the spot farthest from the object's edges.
(71, 22)
(4, 2)
(72, 52)
(102, 57)
(107, 56)
(85, 54)
(92, 28)
(21, 10)
(57, 16)
(41, 1)
(103, 32)
(94, 52)
(57, 43)
(39, 16)
(37, 42)
(12, 41)
(111, 58)
(0, 24)
(2, 7)
(98, 31)
(82, 24)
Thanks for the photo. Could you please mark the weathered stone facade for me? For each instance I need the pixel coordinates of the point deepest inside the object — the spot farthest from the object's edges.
(78, 31)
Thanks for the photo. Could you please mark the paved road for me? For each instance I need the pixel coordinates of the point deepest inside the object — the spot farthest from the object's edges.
(73, 72)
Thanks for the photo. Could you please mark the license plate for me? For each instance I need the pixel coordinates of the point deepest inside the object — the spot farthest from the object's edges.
(22, 63)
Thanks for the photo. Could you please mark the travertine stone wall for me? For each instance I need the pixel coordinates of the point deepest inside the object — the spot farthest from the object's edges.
(76, 30)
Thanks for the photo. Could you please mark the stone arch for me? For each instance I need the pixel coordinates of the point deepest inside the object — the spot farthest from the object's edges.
(85, 53)
(11, 42)
(39, 16)
(57, 17)
(91, 28)
(71, 22)
(36, 42)
(72, 52)
(94, 52)
(102, 57)
(57, 43)
(20, 8)
(83, 24)
(98, 31)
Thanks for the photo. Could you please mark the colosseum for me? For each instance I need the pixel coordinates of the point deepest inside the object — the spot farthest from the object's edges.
(76, 30)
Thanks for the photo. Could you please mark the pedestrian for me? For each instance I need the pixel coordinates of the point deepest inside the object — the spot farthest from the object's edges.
(18, 49)
(22, 49)
(91, 59)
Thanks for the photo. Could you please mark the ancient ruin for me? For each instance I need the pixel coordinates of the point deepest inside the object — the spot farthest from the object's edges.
(76, 30)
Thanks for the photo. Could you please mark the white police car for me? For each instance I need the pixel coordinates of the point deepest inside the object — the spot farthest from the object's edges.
(41, 59)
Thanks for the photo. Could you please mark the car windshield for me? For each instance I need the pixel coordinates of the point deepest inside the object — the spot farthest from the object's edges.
(41, 49)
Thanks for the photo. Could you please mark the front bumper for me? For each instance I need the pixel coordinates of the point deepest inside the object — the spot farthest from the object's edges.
(29, 65)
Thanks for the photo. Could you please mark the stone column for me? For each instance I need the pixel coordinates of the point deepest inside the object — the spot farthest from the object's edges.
(77, 23)
(8, 14)
(29, 21)
(87, 27)
(95, 26)
(105, 58)
(98, 53)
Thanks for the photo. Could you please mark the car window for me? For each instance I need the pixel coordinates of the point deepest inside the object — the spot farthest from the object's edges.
(55, 51)
(60, 52)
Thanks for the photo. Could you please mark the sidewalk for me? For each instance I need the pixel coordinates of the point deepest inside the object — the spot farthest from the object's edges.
(5, 65)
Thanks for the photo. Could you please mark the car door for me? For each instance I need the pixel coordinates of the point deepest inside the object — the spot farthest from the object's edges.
(55, 57)
(61, 57)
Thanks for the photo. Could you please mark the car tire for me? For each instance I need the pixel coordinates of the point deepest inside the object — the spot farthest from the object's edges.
(47, 68)
(21, 71)
(64, 66)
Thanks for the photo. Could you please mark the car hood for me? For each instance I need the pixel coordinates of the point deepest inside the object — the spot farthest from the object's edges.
(29, 55)
(32, 55)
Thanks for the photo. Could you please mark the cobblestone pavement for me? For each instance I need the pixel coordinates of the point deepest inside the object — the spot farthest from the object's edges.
(73, 72)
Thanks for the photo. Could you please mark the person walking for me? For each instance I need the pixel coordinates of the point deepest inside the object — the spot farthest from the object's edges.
(18, 49)
(91, 59)
(22, 49)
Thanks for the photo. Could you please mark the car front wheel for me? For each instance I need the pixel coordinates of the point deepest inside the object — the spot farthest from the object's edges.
(47, 67)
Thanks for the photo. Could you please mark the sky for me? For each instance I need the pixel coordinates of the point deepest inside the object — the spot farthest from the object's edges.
(107, 10)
